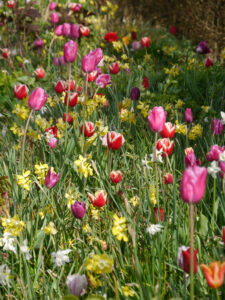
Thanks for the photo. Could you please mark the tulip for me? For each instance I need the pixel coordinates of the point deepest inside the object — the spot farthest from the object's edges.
(62, 60)
(77, 284)
(75, 7)
(37, 98)
(58, 30)
(89, 129)
(135, 93)
(20, 91)
(52, 5)
(223, 235)
(75, 31)
(39, 43)
(52, 130)
(168, 178)
(92, 76)
(69, 118)
(78, 210)
(54, 18)
(116, 176)
(88, 63)
(190, 160)
(133, 35)
(188, 150)
(216, 127)
(173, 30)
(98, 55)
(39, 73)
(145, 83)
(214, 274)
(52, 142)
(136, 46)
(157, 119)
(66, 29)
(72, 85)
(222, 168)
(11, 3)
(166, 145)
(51, 179)
(103, 80)
(202, 48)
(188, 115)
(84, 30)
(114, 68)
(98, 199)
(214, 152)
(168, 130)
(55, 61)
(159, 212)
(115, 140)
(193, 184)
(70, 51)
(208, 62)
(145, 41)
(111, 37)
(6, 53)
(60, 86)
(184, 259)
(72, 100)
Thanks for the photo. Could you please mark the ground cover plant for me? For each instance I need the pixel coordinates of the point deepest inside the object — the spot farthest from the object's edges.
(112, 170)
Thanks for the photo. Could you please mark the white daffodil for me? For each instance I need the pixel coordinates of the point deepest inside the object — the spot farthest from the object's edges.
(222, 117)
(60, 257)
(8, 242)
(222, 156)
(25, 250)
(4, 274)
(213, 169)
(154, 228)
(158, 155)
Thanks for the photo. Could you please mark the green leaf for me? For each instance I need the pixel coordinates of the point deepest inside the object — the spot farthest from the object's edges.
(203, 225)
(95, 297)
(39, 239)
(69, 297)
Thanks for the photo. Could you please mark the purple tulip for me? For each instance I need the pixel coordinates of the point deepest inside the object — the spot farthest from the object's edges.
(54, 18)
(202, 48)
(216, 127)
(222, 168)
(214, 153)
(188, 116)
(193, 184)
(77, 284)
(52, 5)
(157, 119)
(58, 30)
(75, 31)
(136, 46)
(103, 80)
(190, 160)
(39, 43)
(55, 61)
(66, 29)
(78, 209)
(70, 51)
(51, 179)
(37, 98)
(135, 93)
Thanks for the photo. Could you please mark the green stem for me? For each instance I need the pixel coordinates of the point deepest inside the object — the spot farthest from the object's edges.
(156, 170)
(67, 104)
(214, 200)
(192, 251)
(24, 139)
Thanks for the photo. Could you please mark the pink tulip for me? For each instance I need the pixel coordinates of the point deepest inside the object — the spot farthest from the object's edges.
(193, 184)
(52, 142)
(51, 179)
(75, 31)
(188, 115)
(39, 43)
(157, 119)
(103, 80)
(58, 30)
(54, 18)
(88, 63)
(214, 152)
(216, 127)
(98, 55)
(66, 29)
(222, 168)
(52, 5)
(37, 98)
(190, 160)
(70, 51)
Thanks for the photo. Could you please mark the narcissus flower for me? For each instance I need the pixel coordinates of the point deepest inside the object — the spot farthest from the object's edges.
(168, 178)
(20, 91)
(37, 98)
(188, 116)
(184, 259)
(166, 145)
(83, 166)
(84, 30)
(116, 176)
(89, 129)
(98, 199)
(120, 228)
(39, 73)
(70, 51)
(115, 140)
(168, 130)
(114, 68)
(60, 86)
(157, 119)
(214, 274)
(145, 41)
(51, 179)
(111, 37)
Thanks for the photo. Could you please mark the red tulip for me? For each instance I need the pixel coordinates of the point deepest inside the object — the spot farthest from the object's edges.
(69, 119)
(184, 259)
(72, 85)
(168, 178)
(72, 100)
(11, 3)
(173, 30)
(39, 73)
(133, 35)
(114, 68)
(166, 145)
(208, 62)
(145, 83)
(111, 37)
(168, 130)
(6, 53)
(89, 129)
(20, 91)
(223, 235)
(157, 119)
(52, 130)
(116, 176)
(37, 98)
(188, 151)
(115, 140)
(60, 86)
(84, 30)
(98, 199)
(214, 274)
(159, 212)
(145, 41)
(92, 76)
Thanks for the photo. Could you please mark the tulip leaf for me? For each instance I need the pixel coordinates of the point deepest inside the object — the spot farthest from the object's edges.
(69, 297)
(203, 225)
(95, 297)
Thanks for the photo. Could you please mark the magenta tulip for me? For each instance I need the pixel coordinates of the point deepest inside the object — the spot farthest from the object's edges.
(54, 18)
(58, 30)
(78, 210)
(190, 160)
(55, 61)
(193, 184)
(222, 168)
(37, 98)
(39, 43)
(70, 51)
(88, 63)
(216, 127)
(214, 152)
(75, 31)
(52, 5)
(103, 80)
(66, 29)
(188, 116)
(51, 179)
(98, 55)
(157, 119)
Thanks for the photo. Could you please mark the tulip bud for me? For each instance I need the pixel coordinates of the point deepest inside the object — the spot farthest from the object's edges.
(208, 62)
(51, 179)
(193, 184)
(114, 68)
(72, 100)
(159, 212)
(168, 130)
(72, 85)
(75, 31)
(11, 3)
(103, 80)
(58, 30)
(39, 43)
(70, 51)
(115, 140)
(78, 210)
(92, 76)
(37, 98)
(135, 93)
(188, 115)
(223, 235)
(77, 284)
(6, 53)
(173, 30)
(98, 199)
(166, 145)
(188, 151)
(157, 119)
(54, 18)
(145, 41)
(60, 86)
(116, 176)
(133, 35)
(202, 48)
(39, 73)
(222, 168)
(84, 30)
(216, 127)
(20, 91)
(66, 29)
(75, 7)
(69, 119)
(145, 83)
(55, 61)
(168, 178)
(184, 259)
(52, 5)
(89, 129)
(190, 160)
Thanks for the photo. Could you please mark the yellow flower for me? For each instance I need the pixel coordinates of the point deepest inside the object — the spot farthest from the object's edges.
(21, 111)
(50, 229)
(126, 40)
(83, 166)
(94, 280)
(179, 103)
(144, 109)
(120, 228)
(104, 9)
(195, 132)
(174, 71)
(205, 108)
(99, 264)
(16, 130)
(152, 194)
(134, 201)
(127, 116)
(34, 134)
(128, 291)
(118, 46)
(86, 228)
(124, 57)
(13, 225)
(71, 198)
(41, 171)
(42, 123)
(24, 180)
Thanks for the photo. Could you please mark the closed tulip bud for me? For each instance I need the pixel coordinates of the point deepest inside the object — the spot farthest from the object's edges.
(136, 46)
(70, 51)
(52, 142)
(168, 178)
(39, 73)
(190, 160)
(58, 30)
(66, 29)
(223, 235)
(214, 274)
(89, 129)
(145, 83)
(92, 76)
(99, 198)
(77, 284)
(173, 30)
(103, 80)
(216, 127)
(51, 179)
(84, 30)
(166, 145)
(52, 5)
(72, 85)
(188, 115)
(202, 48)
(54, 18)
(133, 35)
(72, 100)
(159, 212)
(214, 152)
(55, 61)
(75, 31)
(145, 41)
(6, 53)
(184, 259)
(60, 86)
(39, 43)
(37, 98)
(78, 210)
(69, 119)
(135, 93)
(11, 3)
(114, 68)
(168, 130)
(157, 119)
(20, 91)
(115, 140)
(208, 62)
(193, 184)
(116, 176)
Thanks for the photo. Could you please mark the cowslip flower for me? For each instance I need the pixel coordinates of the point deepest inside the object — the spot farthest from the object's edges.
(119, 228)
(166, 145)
(115, 140)
(214, 274)
(99, 198)
(116, 176)
(51, 179)
(168, 130)
(193, 184)
(20, 91)
(216, 127)
(70, 51)
(184, 259)
(188, 116)
(77, 284)
(78, 209)
(103, 80)
(60, 257)
(157, 119)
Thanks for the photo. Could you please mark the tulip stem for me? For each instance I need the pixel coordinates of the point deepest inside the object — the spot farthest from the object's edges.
(67, 103)
(49, 51)
(156, 170)
(214, 200)
(84, 110)
(24, 139)
(192, 252)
